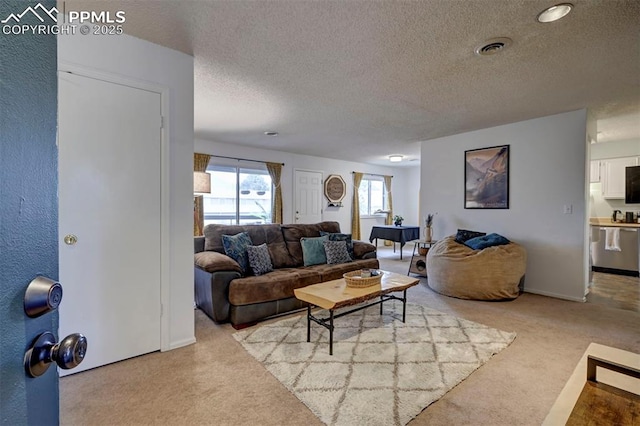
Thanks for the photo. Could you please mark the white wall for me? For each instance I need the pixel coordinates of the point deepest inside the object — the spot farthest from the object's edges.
(137, 60)
(547, 172)
(404, 194)
(598, 205)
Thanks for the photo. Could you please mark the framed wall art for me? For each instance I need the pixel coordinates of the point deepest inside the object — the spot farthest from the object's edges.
(335, 189)
(486, 178)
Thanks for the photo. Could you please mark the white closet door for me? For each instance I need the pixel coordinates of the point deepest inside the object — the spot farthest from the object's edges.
(109, 199)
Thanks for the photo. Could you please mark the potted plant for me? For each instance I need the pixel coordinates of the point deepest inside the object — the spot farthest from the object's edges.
(397, 220)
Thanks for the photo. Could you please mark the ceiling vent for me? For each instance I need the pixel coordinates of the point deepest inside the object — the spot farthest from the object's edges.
(493, 46)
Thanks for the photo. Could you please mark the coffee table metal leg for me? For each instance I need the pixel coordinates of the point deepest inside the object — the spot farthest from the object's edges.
(404, 305)
(331, 332)
(309, 322)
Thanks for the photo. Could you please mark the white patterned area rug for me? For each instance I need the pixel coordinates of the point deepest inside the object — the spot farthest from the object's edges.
(383, 371)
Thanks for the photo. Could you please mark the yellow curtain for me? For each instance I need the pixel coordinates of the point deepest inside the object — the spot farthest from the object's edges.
(200, 163)
(275, 171)
(389, 208)
(355, 207)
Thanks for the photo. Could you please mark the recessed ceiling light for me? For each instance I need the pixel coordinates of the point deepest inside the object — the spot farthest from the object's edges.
(271, 133)
(395, 158)
(555, 12)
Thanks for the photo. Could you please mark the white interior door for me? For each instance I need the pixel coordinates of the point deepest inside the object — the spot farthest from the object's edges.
(308, 199)
(109, 138)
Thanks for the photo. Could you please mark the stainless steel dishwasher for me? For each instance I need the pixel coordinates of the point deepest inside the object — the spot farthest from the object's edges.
(624, 261)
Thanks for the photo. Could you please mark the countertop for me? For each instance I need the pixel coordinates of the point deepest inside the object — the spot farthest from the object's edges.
(606, 221)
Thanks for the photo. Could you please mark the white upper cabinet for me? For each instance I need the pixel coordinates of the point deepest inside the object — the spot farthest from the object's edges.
(594, 174)
(613, 176)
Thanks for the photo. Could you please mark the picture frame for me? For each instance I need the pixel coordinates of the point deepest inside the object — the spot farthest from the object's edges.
(335, 189)
(486, 178)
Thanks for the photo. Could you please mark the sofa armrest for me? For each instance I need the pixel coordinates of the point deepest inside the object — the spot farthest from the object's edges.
(198, 244)
(212, 261)
(212, 293)
(363, 250)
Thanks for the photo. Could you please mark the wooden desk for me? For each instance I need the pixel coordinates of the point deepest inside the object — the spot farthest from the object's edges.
(397, 234)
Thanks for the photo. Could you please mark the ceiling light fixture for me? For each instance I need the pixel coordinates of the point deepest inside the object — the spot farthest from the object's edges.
(395, 158)
(271, 133)
(555, 12)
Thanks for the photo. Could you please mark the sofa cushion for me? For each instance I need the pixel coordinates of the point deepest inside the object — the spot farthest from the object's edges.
(360, 248)
(270, 234)
(480, 243)
(292, 234)
(259, 259)
(235, 246)
(313, 250)
(341, 237)
(336, 252)
(334, 272)
(212, 261)
(275, 285)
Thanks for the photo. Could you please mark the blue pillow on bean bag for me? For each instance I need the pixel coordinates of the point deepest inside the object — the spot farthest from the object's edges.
(464, 234)
(479, 243)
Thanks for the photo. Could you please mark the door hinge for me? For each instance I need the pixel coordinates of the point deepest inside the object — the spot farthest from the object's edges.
(162, 122)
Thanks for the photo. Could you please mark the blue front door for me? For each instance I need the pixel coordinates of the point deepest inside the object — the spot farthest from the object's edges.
(28, 211)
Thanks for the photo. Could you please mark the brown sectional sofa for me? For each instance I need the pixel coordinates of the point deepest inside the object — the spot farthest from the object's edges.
(224, 294)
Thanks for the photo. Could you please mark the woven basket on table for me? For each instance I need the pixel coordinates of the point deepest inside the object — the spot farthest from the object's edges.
(353, 279)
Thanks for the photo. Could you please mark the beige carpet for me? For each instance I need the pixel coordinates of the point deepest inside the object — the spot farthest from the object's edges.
(382, 371)
(216, 382)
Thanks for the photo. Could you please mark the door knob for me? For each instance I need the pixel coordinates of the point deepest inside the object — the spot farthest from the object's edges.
(67, 354)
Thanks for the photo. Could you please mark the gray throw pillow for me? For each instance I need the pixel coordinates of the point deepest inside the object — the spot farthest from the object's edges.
(259, 259)
(336, 252)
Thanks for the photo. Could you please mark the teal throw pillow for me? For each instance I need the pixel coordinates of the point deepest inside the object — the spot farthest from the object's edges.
(485, 241)
(341, 237)
(336, 252)
(235, 246)
(313, 250)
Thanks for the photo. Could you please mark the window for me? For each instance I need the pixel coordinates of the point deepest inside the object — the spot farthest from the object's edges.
(239, 196)
(372, 195)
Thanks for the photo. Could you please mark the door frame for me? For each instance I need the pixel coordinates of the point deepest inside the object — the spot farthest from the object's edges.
(165, 206)
(295, 187)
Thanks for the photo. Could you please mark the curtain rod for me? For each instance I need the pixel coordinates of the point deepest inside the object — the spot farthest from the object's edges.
(241, 159)
(371, 174)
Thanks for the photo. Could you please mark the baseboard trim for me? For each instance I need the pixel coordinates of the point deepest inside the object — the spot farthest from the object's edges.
(181, 343)
(614, 271)
(556, 295)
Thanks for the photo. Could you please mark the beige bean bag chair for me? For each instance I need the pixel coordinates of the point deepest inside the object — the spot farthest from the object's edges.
(493, 273)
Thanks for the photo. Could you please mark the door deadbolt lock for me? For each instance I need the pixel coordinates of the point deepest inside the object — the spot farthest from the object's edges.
(67, 354)
(43, 295)
(70, 239)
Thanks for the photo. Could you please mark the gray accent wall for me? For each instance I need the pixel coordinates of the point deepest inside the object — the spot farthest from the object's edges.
(28, 213)
(547, 173)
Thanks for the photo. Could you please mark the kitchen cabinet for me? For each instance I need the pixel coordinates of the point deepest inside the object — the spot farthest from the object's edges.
(594, 173)
(613, 176)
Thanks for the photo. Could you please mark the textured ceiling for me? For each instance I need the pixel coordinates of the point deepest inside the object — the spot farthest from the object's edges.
(360, 80)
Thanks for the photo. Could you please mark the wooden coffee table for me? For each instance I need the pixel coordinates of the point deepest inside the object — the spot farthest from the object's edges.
(332, 295)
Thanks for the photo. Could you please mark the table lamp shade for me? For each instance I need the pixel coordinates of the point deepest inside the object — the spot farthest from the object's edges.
(201, 182)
